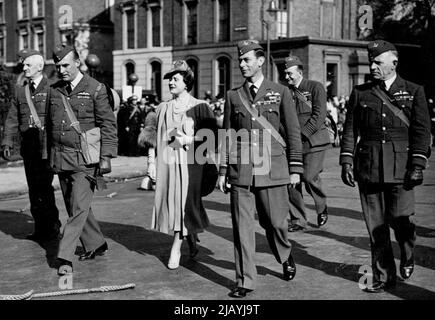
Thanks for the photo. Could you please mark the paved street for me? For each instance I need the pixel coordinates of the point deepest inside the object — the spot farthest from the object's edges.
(327, 259)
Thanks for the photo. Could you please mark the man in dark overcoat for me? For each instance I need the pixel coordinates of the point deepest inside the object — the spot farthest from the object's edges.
(385, 148)
(33, 145)
(259, 186)
(88, 100)
(310, 99)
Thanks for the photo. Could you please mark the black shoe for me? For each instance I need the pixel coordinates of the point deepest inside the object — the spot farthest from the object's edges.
(407, 269)
(65, 267)
(239, 292)
(322, 218)
(380, 286)
(295, 227)
(289, 269)
(100, 251)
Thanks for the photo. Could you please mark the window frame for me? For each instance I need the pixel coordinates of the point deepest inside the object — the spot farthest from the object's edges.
(20, 11)
(37, 9)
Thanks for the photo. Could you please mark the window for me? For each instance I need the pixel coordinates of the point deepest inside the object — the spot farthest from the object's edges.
(282, 19)
(129, 69)
(156, 78)
(223, 81)
(38, 39)
(38, 8)
(23, 39)
(331, 79)
(2, 11)
(2, 44)
(193, 64)
(23, 8)
(130, 16)
(224, 20)
(192, 22)
(155, 20)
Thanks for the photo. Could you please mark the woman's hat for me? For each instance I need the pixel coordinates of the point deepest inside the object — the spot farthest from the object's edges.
(178, 66)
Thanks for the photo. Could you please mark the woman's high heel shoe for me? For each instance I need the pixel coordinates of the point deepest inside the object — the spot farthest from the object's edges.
(174, 261)
(191, 241)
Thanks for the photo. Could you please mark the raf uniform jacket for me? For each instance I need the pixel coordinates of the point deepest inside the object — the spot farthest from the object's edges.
(91, 106)
(272, 101)
(18, 119)
(315, 136)
(376, 142)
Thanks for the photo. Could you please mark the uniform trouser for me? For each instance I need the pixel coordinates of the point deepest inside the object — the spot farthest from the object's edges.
(313, 166)
(272, 208)
(41, 195)
(384, 206)
(78, 192)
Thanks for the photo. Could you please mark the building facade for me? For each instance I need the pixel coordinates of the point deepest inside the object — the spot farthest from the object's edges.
(150, 34)
(42, 24)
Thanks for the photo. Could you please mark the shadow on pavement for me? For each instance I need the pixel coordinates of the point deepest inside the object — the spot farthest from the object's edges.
(159, 245)
(357, 215)
(342, 270)
(19, 225)
(213, 205)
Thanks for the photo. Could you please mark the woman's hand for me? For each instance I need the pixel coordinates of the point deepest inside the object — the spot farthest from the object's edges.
(180, 140)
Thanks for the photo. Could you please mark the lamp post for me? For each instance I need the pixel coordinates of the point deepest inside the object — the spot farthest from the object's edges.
(133, 79)
(92, 61)
(272, 9)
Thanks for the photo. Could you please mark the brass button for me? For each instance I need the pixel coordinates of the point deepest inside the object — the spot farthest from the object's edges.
(63, 133)
(254, 144)
(253, 119)
(63, 121)
(270, 110)
(384, 115)
(383, 141)
(383, 128)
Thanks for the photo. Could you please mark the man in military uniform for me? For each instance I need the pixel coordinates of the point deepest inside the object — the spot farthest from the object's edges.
(246, 109)
(310, 99)
(33, 145)
(89, 102)
(385, 144)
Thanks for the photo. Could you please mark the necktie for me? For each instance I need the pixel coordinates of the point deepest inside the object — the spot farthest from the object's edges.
(32, 86)
(252, 91)
(383, 86)
(68, 88)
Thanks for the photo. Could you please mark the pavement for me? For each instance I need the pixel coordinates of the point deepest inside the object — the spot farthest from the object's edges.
(331, 261)
(13, 179)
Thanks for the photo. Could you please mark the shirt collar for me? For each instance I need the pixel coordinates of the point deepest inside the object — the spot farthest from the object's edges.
(76, 81)
(37, 81)
(299, 83)
(389, 82)
(257, 83)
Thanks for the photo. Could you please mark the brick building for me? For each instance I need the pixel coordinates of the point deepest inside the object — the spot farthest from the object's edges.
(42, 24)
(151, 34)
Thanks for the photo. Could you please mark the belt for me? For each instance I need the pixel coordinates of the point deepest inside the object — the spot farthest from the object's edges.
(387, 135)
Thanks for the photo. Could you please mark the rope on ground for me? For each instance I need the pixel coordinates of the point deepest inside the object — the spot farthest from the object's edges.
(30, 294)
